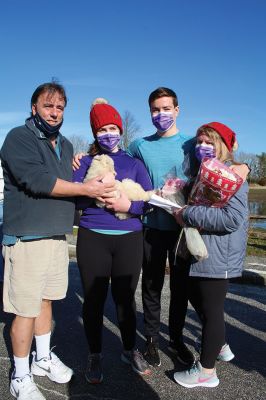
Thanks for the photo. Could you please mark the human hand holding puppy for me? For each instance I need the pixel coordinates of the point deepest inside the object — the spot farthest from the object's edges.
(108, 179)
(120, 203)
(125, 191)
(97, 188)
(117, 200)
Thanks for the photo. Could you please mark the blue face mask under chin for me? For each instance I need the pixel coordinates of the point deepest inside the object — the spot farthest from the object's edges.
(47, 129)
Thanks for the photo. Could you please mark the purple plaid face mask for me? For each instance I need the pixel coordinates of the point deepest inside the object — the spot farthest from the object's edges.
(108, 141)
(163, 121)
(204, 151)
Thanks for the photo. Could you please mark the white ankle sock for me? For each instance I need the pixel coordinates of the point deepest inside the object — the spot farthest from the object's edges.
(43, 345)
(22, 366)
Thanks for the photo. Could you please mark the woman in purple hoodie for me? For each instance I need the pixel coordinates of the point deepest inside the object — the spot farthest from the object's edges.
(108, 247)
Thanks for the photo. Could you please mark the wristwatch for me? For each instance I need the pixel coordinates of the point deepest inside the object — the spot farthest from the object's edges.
(248, 167)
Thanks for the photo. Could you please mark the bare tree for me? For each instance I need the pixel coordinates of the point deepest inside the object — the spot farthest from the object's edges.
(80, 144)
(130, 129)
(252, 160)
(262, 165)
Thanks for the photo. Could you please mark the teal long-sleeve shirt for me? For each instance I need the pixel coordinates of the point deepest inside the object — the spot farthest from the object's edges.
(164, 158)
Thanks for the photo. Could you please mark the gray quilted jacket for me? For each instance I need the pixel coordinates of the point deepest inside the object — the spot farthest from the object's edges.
(224, 231)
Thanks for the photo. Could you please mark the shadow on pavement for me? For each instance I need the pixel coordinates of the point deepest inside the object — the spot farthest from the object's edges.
(242, 377)
(120, 382)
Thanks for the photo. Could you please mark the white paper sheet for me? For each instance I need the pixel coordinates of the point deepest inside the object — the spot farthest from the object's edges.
(167, 205)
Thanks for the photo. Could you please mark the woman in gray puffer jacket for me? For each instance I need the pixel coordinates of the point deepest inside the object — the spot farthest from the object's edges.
(224, 232)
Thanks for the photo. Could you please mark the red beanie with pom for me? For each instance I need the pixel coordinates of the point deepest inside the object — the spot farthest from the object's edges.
(228, 136)
(102, 114)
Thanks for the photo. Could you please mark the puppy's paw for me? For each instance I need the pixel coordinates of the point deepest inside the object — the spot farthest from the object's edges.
(122, 215)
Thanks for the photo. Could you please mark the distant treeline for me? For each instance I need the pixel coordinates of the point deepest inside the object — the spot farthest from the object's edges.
(257, 163)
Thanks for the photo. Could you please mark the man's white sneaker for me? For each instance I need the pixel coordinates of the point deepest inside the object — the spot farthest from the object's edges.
(25, 389)
(52, 367)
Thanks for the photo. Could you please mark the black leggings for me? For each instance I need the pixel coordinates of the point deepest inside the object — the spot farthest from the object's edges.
(101, 257)
(207, 296)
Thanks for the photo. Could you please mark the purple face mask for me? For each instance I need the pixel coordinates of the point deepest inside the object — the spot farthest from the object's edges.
(163, 121)
(204, 151)
(108, 141)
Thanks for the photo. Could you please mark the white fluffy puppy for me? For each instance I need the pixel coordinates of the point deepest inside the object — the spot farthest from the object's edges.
(104, 165)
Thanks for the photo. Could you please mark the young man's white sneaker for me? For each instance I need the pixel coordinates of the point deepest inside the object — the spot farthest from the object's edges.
(25, 389)
(52, 367)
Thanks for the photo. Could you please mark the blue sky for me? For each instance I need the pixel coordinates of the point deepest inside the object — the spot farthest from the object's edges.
(211, 52)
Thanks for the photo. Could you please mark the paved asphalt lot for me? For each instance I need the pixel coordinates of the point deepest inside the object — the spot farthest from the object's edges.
(242, 378)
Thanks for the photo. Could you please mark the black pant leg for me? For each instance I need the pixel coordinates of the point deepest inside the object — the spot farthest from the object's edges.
(94, 262)
(127, 260)
(209, 296)
(154, 262)
(179, 277)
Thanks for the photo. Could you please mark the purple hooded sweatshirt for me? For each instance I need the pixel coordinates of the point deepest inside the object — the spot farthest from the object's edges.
(94, 217)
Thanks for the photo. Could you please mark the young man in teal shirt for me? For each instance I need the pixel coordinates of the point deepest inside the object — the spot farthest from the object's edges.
(163, 155)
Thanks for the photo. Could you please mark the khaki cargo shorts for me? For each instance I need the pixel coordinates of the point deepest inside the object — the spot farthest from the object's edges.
(34, 270)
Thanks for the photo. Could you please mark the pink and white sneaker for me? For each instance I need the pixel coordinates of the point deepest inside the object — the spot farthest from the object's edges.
(195, 376)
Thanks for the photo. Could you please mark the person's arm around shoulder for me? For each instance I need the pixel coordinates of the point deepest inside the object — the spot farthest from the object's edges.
(76, 162)
(242, 170)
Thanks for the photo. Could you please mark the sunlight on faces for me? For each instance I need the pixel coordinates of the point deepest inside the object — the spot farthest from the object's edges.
(204, 139)
(108, 137)
(111, 128)
(50, 107)
(164, 104)
(210, 136)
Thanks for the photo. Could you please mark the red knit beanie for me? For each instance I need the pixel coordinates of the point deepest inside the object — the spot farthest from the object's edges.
(102, 114)
(228, 136)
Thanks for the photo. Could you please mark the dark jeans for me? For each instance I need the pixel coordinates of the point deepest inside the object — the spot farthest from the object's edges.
(101, 257)
(158, 245)
(207, 297)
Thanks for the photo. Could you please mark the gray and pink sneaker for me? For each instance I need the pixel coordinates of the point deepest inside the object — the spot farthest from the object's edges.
(195, 376)
(226, 353)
